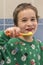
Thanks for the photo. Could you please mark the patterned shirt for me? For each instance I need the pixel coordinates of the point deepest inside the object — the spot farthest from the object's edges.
(16, 51)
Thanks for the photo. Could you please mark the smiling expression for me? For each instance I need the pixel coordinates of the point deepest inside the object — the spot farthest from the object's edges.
(27, 21)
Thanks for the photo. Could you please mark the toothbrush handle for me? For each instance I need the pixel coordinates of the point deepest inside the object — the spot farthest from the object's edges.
(8, 33)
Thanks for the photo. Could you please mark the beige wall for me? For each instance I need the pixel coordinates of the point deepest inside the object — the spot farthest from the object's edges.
(39, 5)
(7, 7)
(1, 9)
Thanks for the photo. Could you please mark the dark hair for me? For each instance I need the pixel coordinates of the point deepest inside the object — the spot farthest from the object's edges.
(21, 7)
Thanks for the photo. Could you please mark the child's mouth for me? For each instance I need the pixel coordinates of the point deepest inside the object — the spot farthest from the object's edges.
(30, 29)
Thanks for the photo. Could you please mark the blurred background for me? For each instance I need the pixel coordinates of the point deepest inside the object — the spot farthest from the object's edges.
(6, 10)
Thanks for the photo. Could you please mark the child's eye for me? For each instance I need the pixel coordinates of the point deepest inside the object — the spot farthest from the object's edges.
(33, 19)
(24, 20)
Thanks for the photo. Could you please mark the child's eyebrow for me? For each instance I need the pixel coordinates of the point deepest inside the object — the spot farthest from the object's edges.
(24, 18)
(27, 18)
(33, 17)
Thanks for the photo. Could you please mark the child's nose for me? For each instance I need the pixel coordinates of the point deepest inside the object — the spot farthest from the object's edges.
(29, 23)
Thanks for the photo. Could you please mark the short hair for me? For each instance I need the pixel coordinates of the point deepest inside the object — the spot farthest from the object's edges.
(21, 7)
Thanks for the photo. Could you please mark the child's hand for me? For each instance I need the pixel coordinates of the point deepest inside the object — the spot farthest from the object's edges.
(12, 31)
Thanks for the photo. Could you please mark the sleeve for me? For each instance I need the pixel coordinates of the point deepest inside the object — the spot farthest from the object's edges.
(3, 40)
(41, 46)
(3, 37)
(8, 52)
(0, 55)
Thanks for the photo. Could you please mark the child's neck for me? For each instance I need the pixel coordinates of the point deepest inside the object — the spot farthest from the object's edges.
(28, 39)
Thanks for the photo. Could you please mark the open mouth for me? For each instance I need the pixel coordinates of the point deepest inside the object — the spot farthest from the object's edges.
(30, 29)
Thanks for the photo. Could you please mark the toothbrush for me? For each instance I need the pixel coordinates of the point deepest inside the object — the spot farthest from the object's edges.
(26, 34)
(21, 34)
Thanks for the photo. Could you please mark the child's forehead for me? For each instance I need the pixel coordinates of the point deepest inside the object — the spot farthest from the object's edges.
(27, 13)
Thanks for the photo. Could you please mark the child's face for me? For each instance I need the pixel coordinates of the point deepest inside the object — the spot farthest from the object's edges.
(27, 21)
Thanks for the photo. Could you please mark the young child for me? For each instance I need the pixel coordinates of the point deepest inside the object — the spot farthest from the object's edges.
(17, 49)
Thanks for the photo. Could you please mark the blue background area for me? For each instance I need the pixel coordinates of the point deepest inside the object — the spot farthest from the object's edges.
(5, 23)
